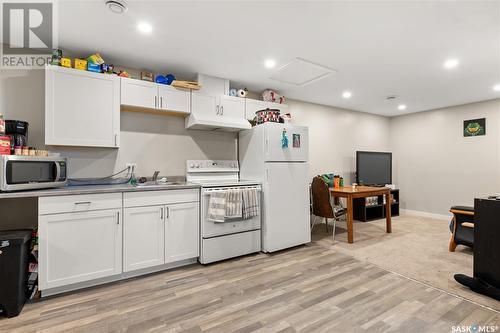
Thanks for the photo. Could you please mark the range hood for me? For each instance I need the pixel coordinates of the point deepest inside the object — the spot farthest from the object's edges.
(225, 124)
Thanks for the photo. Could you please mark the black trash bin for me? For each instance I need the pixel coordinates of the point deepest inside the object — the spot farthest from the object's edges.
(14, 256)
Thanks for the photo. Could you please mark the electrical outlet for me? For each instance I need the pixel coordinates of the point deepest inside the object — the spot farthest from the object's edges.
(131, 167)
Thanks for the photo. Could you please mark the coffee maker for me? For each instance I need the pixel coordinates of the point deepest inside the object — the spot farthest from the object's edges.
(17, 130)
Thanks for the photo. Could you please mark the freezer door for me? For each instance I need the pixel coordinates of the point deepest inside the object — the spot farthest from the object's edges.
(298, 143)
(286, 206)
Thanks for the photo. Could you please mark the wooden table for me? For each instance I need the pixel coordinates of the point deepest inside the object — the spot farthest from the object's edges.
(362, 192)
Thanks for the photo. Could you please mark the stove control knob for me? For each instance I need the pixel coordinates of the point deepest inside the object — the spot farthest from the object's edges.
(191, 166)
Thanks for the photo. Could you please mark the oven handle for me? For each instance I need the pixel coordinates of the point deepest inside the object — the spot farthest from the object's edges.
(207, 191)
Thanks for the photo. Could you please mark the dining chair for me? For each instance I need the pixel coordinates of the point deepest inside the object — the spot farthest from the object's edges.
(322, 206)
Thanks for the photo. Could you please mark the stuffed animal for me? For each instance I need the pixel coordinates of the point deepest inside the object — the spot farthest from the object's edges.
(269, 95)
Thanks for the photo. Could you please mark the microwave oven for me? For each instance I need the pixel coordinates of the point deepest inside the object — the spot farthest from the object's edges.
(32, 172)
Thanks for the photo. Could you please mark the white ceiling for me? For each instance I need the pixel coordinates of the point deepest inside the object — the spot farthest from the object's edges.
(377, 48)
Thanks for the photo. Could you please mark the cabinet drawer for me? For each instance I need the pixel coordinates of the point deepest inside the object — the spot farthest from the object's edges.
(150, 198)
(78, 203)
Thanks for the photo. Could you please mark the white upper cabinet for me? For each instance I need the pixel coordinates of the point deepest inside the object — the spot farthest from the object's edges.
(139, 93)
(232, 107)
(81, 108)
(213, 109)
(156, 96)
(205, 106)
(174, 99)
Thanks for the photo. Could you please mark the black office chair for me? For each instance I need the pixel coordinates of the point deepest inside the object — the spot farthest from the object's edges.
(462, 227)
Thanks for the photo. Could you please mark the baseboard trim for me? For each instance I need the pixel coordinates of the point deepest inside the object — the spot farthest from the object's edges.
(425, 214)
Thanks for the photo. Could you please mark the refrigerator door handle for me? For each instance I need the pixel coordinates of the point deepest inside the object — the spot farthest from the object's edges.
(267, 175)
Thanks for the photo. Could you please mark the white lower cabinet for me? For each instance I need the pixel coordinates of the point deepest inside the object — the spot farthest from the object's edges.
(182, 233)
(84, 239)
(143, 237)
(78, 247)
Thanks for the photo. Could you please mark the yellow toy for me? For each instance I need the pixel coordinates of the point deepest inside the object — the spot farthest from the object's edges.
(81, 64)
(66, 62)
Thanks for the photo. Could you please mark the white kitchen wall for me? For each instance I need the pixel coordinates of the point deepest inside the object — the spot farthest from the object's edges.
(154, 142)
(161, 142)
(335, 135)
(436, 167)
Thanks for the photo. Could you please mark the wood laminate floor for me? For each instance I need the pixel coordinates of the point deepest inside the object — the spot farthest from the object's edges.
(307, 289)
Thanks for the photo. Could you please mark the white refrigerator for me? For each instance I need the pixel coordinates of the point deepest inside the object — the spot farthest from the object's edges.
(277, 155)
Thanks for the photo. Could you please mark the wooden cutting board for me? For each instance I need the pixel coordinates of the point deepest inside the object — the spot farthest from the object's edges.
(186, 84)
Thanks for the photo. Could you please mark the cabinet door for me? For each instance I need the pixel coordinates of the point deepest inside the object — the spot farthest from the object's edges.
(252, 106)
(182, 235)
(143, 237)
(78, 247)
(139, 93)
(205, 106)
(233, 107)
(81, 108)
(174, 99)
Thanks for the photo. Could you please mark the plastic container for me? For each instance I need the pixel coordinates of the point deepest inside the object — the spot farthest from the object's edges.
(14, 255)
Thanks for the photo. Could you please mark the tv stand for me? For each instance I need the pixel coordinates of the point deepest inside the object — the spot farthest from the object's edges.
(368, 212)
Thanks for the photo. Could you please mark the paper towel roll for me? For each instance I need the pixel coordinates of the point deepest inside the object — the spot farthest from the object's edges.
(242, 93)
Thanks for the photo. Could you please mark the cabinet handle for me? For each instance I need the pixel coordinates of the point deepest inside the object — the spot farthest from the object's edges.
(222, 110)
(161, 102)
(83, 203)
(116, 140)
(161, 213)
(117, 218)
(156, 102)
(217, 108)
(168, 212)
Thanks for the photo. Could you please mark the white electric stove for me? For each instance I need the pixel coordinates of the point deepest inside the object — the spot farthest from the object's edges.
(236, 236)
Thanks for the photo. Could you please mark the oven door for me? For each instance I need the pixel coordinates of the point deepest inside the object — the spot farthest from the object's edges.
(25, 173)
(234, 225)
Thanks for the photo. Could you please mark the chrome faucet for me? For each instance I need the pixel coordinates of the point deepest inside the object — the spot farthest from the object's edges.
(155, 175)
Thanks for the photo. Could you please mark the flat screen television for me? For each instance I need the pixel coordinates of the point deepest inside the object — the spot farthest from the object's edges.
(373, 168)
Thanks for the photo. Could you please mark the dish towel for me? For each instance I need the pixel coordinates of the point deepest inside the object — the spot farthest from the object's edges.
(233, 203)
(251, 204)
(217, 207)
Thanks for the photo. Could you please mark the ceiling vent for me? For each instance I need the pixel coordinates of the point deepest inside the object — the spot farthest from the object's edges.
(116, 6)
(300, 72)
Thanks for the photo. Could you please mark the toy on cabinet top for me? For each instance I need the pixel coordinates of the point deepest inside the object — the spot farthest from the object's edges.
(269, 95)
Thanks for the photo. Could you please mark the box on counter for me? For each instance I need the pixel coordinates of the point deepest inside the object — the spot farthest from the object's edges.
(4, 145)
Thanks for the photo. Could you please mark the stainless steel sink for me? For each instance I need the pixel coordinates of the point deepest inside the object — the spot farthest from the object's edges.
(158, 184)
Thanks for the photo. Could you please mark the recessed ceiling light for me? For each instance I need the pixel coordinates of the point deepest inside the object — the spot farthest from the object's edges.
(116, 6)
(451, 63)
(270, 63)
(347, 94)
(496, 87)
(401, 107)
(145, 27)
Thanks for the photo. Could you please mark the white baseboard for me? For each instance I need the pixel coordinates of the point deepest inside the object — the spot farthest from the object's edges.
(425, 214)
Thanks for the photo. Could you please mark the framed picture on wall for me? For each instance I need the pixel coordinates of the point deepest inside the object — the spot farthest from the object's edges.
(475, 127)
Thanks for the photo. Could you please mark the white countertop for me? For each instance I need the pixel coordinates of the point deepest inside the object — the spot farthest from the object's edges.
(93, 189)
